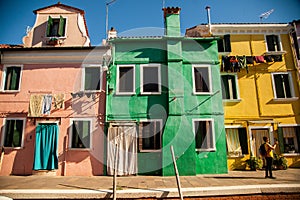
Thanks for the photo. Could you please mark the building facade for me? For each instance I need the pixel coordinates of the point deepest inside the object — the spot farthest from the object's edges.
(52, 99)
(259, 89)
(162, 92)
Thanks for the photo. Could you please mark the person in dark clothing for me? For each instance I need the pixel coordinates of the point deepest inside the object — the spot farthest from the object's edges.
(269, 157)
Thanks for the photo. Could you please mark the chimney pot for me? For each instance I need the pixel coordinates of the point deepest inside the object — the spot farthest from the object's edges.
(171, 10)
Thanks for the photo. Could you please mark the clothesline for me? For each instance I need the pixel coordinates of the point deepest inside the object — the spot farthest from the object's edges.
(236, 63)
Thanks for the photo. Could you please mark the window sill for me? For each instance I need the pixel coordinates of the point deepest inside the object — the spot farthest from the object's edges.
(236, 156)
(205, 150)
(79, 149)
(148, 151)
(286, 99)
(275, 53)
(150, 93)
(232, 100)
(291, 154)
(13, 148)
(10, 91)
(125, 93)
(224, 53)
(203, 93)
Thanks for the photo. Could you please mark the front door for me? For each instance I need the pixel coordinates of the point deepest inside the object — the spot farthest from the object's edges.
(45, 154)
(122, 149)
(257, 139)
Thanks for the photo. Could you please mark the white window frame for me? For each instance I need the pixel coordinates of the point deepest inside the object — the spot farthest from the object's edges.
(161, 128)
(83, 77)
(236, 84)
(4, 78)
(117, 80)
(212, 134)
(71, 133)
(66, 24)
(291, 87)
(280, 43)
(4, 130)
(209, 80)
(142, 79)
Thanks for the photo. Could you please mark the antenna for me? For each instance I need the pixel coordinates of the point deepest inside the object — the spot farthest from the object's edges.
(106, 23)
(265, 15)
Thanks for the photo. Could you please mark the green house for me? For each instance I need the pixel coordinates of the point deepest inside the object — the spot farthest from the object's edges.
(162, 92)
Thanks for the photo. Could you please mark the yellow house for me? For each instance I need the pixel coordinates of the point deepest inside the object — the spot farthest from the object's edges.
(259, 88)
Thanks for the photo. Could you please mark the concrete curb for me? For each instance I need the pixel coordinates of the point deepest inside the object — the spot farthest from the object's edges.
(151, 193)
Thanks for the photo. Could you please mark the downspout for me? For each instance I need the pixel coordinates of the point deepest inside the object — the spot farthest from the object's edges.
(255, 82)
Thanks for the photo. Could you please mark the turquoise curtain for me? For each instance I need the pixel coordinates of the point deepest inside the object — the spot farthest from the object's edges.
(45, 155)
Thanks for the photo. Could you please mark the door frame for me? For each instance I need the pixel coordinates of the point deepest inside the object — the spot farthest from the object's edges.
(270, 130)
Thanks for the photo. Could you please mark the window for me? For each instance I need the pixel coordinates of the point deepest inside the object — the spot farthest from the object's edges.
(56, 27)
(224, 44)
(282, 85)
(204, 134)
(201, 76)
(12, 78)
(80, 133)
(92, 78)
(125, 80)
(236, 141)
(13, 132)
(150, 135)
(150, 79)
(291, 139)
(229, 87)
(273, 43)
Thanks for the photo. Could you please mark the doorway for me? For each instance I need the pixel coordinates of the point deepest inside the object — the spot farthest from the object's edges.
(45, 152)
(257, 139)
(122, 146)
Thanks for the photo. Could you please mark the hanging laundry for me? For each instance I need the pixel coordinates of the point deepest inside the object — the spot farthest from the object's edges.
(249, 60)
(243, 62)
(234, 64)
(59, 101)
(35, 105)
(277, 58)
(259, 59)
(47, 101)
(268, 58)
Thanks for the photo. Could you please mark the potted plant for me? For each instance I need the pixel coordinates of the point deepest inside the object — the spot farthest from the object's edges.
(254, 163)
(52, 41)
(280, 162)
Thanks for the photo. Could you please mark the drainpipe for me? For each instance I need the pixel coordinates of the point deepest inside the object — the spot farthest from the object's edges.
(208, 18)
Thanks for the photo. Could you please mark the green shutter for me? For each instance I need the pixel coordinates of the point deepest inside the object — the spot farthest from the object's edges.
(280, 139)
(61, 28)
(49, 25)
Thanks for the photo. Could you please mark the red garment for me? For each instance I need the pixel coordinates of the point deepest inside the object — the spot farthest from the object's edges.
(259, 59)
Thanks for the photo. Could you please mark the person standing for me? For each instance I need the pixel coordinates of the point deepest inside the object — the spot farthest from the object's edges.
(269, 157)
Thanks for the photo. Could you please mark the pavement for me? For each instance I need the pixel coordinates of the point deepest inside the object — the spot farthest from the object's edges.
(137, 187)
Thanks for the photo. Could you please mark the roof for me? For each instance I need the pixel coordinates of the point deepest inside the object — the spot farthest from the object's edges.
(59, 5)
(8, 46)
(5, 47)
(65, 6)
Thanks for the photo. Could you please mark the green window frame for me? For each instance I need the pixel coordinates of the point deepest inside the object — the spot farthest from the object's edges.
(13, 132)
(12, 78)
(56, 27)
(80, 134)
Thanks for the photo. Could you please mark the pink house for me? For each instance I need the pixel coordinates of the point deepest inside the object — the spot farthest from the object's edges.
(52, 98)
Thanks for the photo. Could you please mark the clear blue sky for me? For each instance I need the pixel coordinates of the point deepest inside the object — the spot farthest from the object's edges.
(125, 15)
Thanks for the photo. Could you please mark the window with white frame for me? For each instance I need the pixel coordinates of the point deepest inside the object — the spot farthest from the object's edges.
(273, 43)
(150, 133)
(224, 44)
(12, 78)
(56, 27)
(229, 87)
(80, 133)
(125, 79)
(92, 78)
(150, 79)
(291, 138)
(13, 132)
(201, 79)
(204, 134)
(282, 85)
(236, 138)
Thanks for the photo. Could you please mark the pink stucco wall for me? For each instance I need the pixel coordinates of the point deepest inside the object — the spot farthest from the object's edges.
(53, 79)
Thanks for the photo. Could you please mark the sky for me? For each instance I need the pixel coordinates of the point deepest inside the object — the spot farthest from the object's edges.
(132, 16)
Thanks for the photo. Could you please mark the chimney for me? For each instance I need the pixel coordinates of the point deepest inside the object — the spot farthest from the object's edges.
(172, 21)
(112, 33)
(208, 19)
